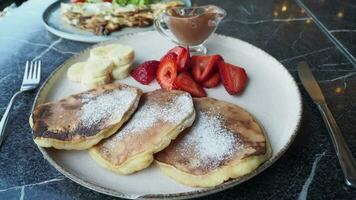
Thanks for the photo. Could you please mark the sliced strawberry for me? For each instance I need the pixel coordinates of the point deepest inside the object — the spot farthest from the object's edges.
(167, 71)
(77, 1)
(233, 78)
(185, 82)
(213, 81)
(146, 72)
(183, 57)
(203, 67)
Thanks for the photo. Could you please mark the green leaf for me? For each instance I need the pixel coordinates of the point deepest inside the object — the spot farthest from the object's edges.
(134, 2)
(144, 2)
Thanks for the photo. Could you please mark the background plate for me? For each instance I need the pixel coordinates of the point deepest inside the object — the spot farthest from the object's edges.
(52, 21)
(271, 96)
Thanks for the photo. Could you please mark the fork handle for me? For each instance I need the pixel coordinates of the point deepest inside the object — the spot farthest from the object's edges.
(5, 117)
(347, 161)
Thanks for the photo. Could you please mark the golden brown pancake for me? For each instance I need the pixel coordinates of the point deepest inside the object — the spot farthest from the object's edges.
(80, 121)
(224, 142)
(161, 116)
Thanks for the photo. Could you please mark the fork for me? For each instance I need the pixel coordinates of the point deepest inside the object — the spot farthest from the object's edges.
(31, 80)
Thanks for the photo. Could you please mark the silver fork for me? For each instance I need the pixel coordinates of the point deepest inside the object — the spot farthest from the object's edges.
(31, 80)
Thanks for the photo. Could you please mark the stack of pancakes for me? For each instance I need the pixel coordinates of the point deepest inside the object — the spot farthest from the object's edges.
(199, 142)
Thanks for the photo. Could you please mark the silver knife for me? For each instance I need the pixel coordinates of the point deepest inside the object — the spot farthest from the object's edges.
(347, 161)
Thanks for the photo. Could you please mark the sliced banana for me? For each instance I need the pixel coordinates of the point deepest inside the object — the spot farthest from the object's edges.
(121, 54)
(97, 68)
(121, 72)
(118, 53)
(101, 52)
(112, 61)
(95, 82)
(75, 72)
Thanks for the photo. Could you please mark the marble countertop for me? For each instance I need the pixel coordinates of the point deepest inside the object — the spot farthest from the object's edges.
(308, 170)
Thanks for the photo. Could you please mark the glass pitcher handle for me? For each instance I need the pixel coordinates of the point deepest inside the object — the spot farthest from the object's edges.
(158, 21)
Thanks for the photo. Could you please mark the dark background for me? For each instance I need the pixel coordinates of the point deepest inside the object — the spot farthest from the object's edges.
(5, 3)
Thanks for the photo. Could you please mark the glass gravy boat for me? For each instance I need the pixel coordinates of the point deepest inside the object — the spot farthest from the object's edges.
(190, 26)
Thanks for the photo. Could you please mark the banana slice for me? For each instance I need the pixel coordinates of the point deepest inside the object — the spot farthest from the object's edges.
(95, 68)
(121, 72)
(75, 72)
(95, 82)
(101, 52)
(121, 54)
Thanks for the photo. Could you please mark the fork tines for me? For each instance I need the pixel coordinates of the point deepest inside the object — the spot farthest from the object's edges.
(32, 72)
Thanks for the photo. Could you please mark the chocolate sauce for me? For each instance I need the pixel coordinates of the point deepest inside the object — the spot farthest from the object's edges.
(195, 27)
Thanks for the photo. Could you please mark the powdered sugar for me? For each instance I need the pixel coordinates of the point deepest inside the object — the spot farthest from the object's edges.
(211, 141)
(110, 106)
(150, 113)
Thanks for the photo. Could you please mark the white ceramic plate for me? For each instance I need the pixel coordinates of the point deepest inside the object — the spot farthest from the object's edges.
(52, 21)
(271, 96)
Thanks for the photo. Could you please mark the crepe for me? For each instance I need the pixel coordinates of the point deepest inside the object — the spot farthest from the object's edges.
(103, 18)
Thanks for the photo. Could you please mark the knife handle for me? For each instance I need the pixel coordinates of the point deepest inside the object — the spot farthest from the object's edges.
(347, 161)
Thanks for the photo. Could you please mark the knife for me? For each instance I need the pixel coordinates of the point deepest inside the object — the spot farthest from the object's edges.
(347, 161)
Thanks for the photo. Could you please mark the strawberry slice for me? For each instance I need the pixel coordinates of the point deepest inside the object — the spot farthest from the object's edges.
(167, 71)
(203, 67)
(233, 78)
(183, 57)
(185, 82)
(213, 81)
(145, 72)
(77, 1)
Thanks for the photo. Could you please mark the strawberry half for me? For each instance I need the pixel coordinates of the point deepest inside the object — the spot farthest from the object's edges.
(77, 1)
(145, 72)
(185, 82)
(233, 78)
(167, 71)
(213, 81)
(203, 67)
(183, 57)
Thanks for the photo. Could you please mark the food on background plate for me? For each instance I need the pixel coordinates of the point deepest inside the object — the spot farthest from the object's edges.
(105, 64)
(224, 142)
(82, 120)
(177, 70)
(160, 117)
(105, 17)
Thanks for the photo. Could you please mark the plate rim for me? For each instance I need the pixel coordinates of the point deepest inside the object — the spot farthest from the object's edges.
(79, 37)
(181, 195)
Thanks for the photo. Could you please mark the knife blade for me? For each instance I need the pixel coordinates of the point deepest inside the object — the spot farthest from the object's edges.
(309, 82)
(346, 159)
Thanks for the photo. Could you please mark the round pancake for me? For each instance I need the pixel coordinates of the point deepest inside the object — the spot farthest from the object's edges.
(82, 120)
(224, 142)
(161, 116)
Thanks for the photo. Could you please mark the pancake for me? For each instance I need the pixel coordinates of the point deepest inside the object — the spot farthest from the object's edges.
(161, 116)
(80, 121)
(224, 142)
